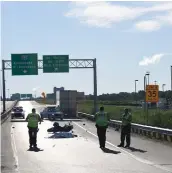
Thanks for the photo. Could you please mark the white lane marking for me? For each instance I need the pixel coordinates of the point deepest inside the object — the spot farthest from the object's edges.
(133, 156)
(14, 148)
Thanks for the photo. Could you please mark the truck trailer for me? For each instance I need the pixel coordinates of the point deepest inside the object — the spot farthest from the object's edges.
(66, 100)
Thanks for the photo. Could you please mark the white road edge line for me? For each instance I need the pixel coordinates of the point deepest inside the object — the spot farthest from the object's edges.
(126, 152)
(14, 148)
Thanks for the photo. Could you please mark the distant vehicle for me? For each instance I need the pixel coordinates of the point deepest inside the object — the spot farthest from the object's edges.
(18, 112)
(52, 112)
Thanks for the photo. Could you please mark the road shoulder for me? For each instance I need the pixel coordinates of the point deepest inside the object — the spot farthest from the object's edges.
(8, 162)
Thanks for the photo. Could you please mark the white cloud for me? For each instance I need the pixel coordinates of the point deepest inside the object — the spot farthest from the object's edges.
(151, 60)
(161, 7)
(148, 26)
(35, 89)
(166, 19)
(104, 14)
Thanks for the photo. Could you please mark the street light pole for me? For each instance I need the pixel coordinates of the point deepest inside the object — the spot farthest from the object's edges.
(147, 74)
(145, 97)
(136, 90)
(155, 82)
(35, 94)
(163, 85)
(146, 82)
(171, 78)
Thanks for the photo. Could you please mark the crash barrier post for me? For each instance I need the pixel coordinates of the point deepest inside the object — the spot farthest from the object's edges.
(6, 114)
(149, 131)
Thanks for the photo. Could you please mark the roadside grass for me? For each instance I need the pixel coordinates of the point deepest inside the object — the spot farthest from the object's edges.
(156, 117)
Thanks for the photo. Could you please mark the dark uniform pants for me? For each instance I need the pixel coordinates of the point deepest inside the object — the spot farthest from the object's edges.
(101, 133)
(33, 136)
(126, 133)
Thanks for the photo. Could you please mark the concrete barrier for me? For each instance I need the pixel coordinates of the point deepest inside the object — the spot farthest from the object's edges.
(149, 131)
(6, 114)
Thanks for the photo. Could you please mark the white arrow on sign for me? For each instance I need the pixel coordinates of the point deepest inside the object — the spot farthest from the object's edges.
(24, 71)
(56, 69)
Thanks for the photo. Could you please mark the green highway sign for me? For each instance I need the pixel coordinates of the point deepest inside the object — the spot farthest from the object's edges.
(29, 95)
(55, 63)
(24, 64)
(22, 95)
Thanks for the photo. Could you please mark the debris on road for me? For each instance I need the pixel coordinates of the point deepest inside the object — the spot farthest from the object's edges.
(58, 128)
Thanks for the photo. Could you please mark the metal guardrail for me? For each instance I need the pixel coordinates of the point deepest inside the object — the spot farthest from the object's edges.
(150, 131)
(5, 115)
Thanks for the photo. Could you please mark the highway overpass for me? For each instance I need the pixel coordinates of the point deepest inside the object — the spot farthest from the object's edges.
(81, 154)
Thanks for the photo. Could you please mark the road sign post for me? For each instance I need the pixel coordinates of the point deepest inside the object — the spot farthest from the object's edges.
(55, 63)
(4, 85)
(152, 93)
(24, 64)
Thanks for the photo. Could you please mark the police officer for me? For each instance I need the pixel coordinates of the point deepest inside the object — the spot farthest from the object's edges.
(102, 119)
(33, 119)
(126, 128)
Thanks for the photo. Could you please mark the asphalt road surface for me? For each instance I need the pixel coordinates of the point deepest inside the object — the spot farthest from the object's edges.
(80, 154)
(8, 104)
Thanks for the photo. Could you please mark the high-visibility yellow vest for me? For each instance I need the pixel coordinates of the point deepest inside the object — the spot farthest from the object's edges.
(33, 120)
(126, 119)
(101, 119)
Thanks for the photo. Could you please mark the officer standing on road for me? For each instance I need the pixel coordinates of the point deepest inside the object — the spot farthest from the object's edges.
(102, 119)
(33, 119)
(126, 128)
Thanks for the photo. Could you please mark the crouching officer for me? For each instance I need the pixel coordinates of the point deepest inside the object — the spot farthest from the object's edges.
(33, 119)
(126, 129)
(102, 119)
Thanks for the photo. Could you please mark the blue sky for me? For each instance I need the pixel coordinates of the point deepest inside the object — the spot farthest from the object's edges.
(126, 38)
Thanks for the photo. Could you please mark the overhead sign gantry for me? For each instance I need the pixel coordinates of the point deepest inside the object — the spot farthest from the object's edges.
(29, 64)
